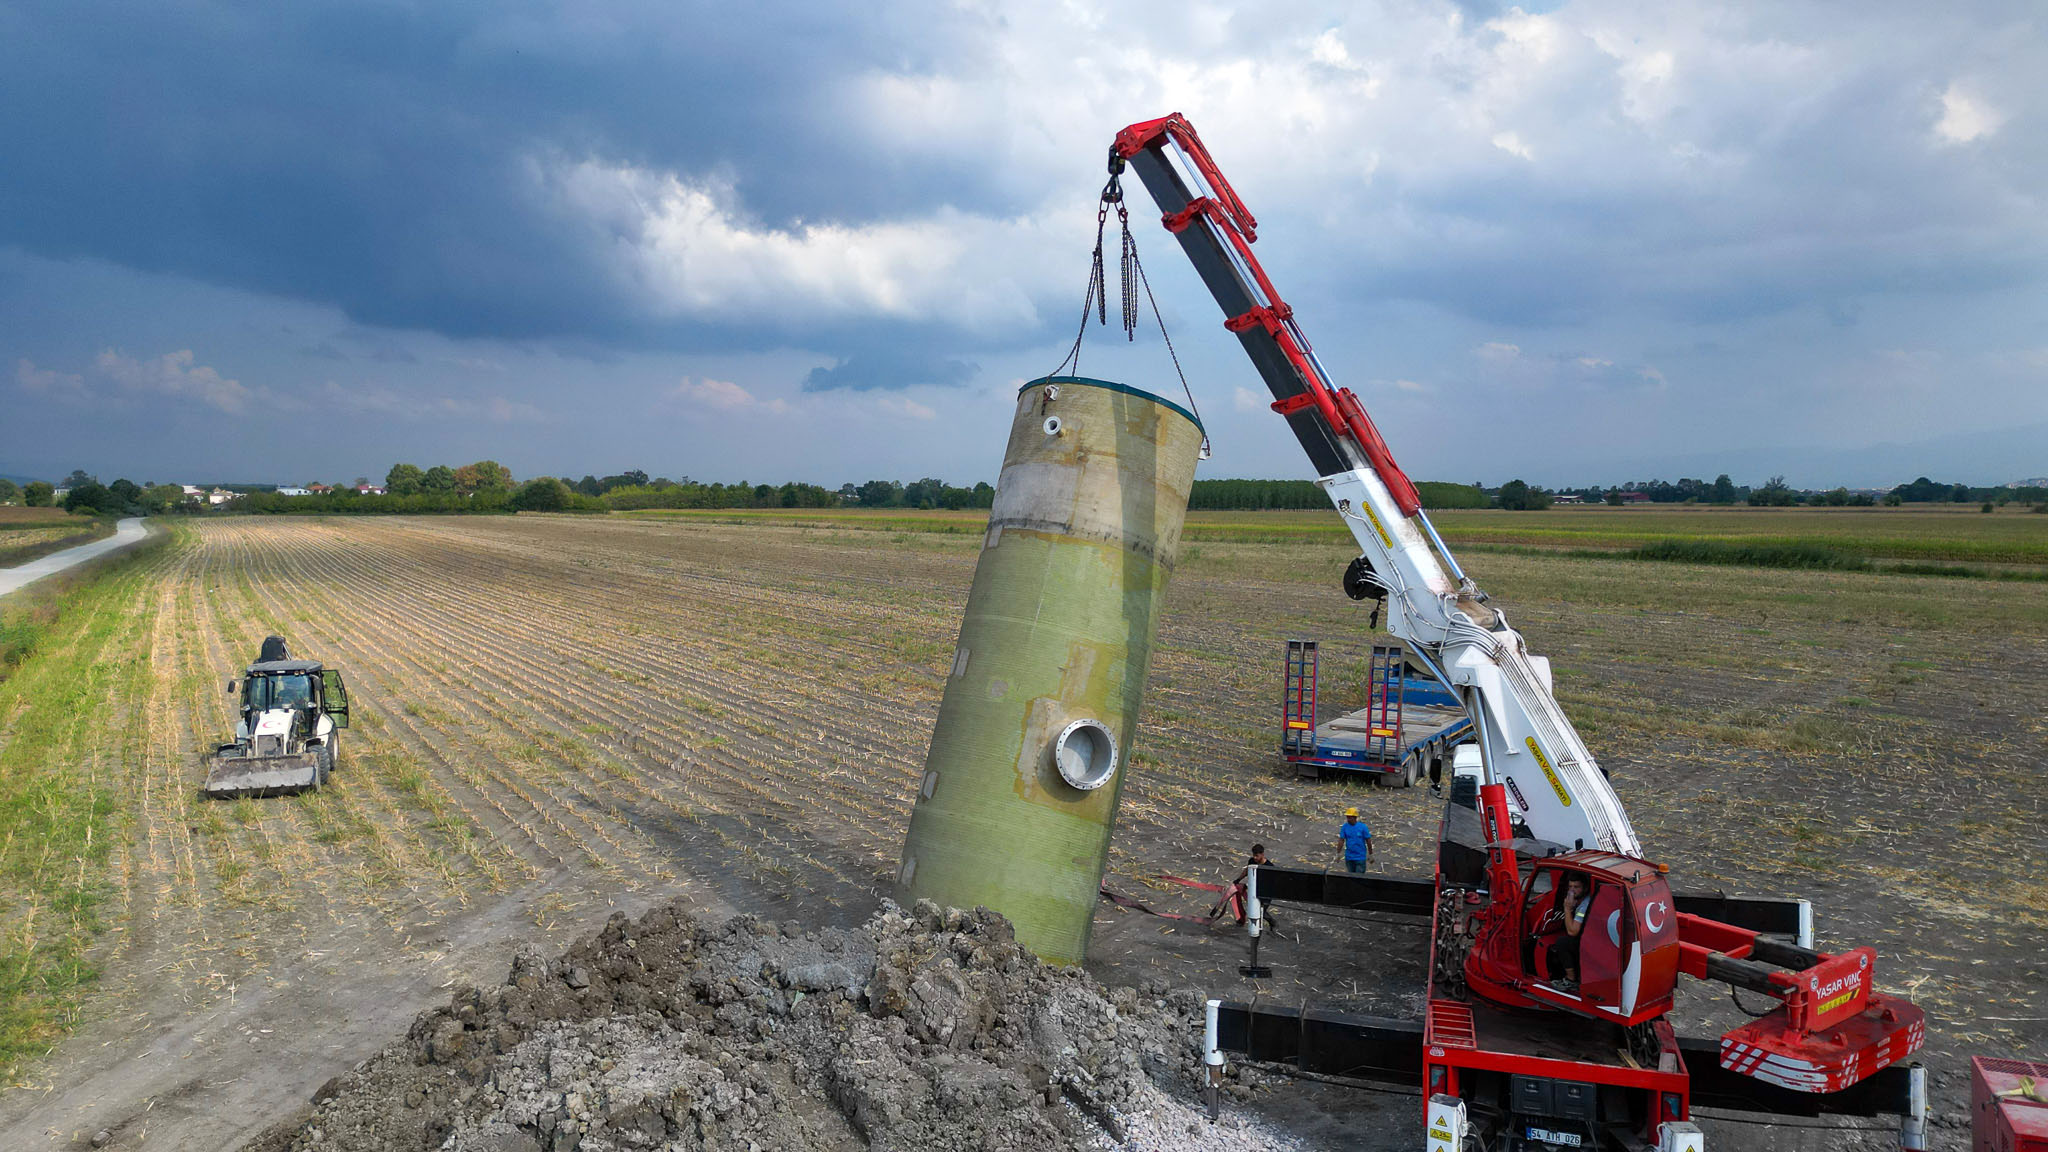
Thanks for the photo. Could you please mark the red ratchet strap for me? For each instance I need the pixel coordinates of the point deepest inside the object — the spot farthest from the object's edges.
(1233, 899)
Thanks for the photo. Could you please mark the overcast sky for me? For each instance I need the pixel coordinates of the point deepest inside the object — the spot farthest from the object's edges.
(1583, 244)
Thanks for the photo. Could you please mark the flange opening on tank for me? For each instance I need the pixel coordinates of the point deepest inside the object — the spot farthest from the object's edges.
(1085, 754)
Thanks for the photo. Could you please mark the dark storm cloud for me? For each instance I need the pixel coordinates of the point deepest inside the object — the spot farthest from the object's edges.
(423, 221)
(375, 157)
(890, 368)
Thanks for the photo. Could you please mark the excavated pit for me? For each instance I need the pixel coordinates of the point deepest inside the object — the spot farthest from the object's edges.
(919, 1031)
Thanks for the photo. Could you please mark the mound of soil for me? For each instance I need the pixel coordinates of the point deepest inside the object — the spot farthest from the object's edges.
(922, 1031)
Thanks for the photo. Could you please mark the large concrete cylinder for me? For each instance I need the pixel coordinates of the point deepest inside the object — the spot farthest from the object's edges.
(1033, 740)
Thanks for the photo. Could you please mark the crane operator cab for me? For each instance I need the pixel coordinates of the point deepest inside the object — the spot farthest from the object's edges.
(1559, 917)
(1596, 934)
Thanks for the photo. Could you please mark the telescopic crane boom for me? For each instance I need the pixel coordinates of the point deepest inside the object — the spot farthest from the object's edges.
(1528, 743)
(1830, 1029)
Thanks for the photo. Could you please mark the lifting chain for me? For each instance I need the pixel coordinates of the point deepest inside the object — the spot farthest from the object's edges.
(1131, 278)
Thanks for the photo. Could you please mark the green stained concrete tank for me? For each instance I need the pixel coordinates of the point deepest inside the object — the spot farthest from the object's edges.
(1033, 741)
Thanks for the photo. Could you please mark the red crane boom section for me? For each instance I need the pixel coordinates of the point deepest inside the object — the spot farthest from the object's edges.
(1234, 223)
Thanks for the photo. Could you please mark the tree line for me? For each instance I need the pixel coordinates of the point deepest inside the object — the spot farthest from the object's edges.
(487, 486)
(1286, 495)
(87, 496)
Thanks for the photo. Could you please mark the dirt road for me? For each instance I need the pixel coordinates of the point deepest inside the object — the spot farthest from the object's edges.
(557, 717)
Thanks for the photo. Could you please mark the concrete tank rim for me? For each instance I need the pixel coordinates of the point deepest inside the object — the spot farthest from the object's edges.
(1113, 386)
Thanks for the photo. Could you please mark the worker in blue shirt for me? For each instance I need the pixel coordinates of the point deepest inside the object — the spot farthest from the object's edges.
(1357, 840)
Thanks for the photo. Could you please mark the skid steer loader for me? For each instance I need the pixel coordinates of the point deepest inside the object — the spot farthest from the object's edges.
(289, 732)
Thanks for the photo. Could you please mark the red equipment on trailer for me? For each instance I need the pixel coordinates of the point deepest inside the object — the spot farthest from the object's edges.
(1511, 1053)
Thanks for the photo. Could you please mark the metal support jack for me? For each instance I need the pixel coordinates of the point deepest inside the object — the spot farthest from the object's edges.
(1212, 1061)
(1255, 923)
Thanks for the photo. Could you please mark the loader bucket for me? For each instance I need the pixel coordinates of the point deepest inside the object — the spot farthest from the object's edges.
(230, 776)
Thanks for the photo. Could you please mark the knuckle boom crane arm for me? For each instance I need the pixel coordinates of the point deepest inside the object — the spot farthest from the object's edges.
(1528, 743)
(1831, 1028)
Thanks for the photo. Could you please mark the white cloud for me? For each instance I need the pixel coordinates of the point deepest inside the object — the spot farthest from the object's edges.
(47, 381)
(1965, 117)
(1512, 144)
(723, 396)
(173, 375)
(178, 375)
(1329, 51)
(688, 250)
(903, 406)
(1247, 400)
(1497, 351)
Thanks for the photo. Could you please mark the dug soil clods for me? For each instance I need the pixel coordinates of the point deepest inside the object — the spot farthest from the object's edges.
(921, 1031)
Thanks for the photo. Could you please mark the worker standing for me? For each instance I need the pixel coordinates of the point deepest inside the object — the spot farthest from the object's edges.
(1235, 894)
(1356, 836)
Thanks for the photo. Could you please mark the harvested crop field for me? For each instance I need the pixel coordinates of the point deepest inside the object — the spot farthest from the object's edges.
(560, 717)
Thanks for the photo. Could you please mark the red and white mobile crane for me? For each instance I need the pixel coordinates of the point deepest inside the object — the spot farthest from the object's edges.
(1511, 1056)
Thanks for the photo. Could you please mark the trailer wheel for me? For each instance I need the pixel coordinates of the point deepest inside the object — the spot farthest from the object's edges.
(1413, 767)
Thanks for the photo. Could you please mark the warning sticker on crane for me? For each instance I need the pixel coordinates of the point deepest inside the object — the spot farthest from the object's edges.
(1376, 525)
(1549, 773)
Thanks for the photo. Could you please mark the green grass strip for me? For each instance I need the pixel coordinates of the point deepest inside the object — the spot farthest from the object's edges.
(75, 664)
(1753, 555)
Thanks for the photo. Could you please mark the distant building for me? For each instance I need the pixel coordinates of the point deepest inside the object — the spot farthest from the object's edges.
(57, 495)
(1567, 498)
(293, 492)
(193, 491)
(219, 496)
(1635, 497)
(369, 490)
(2036, 482)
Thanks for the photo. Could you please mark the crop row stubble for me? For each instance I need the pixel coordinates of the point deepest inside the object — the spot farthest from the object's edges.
(585, 714)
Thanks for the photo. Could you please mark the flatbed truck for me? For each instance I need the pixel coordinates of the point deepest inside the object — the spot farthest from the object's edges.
(1409, 728)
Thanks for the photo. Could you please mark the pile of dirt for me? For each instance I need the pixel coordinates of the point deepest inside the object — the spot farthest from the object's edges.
(921, 1031)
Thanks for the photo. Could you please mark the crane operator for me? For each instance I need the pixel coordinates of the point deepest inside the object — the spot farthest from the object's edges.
(1564, 951)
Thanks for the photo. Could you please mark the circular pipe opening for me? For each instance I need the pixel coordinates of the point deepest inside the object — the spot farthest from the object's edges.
(1085, 754)
(1052, 425)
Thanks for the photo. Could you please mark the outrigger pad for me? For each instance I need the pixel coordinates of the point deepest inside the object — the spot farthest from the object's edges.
(1836, 1057)
(228, 778)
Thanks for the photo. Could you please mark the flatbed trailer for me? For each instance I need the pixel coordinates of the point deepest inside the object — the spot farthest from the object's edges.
(1406, 731)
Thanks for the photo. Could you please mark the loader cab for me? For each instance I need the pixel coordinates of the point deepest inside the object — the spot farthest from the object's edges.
(301, 686)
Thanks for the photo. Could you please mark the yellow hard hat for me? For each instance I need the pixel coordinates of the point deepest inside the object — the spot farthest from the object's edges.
(1351, 811)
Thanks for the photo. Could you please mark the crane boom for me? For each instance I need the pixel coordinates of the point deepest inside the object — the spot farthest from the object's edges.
(1528, 744)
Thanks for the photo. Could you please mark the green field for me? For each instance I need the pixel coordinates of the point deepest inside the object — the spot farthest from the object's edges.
(1946, 534)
